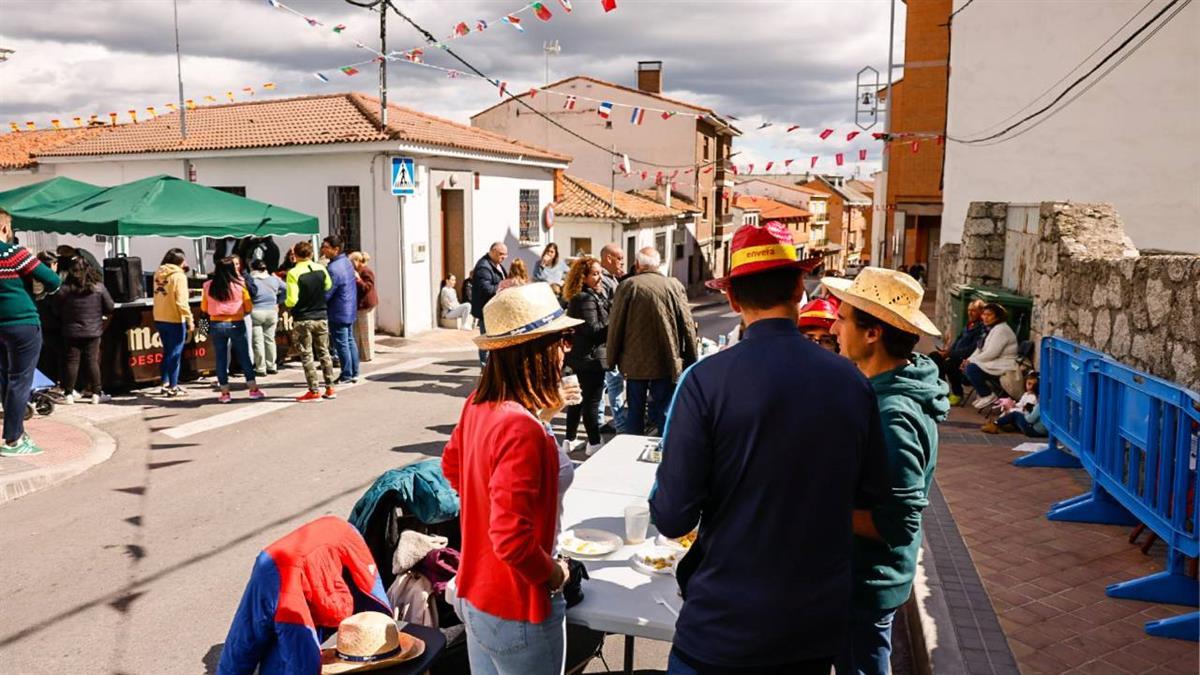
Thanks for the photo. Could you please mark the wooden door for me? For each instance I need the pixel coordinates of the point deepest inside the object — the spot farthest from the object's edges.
(454, 256)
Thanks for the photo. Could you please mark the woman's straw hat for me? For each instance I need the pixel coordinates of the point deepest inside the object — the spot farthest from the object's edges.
(366, 641)
(889, 295)
(520, 314)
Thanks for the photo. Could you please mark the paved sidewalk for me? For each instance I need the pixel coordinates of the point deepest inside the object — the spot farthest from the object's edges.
(72, 445)
(1046, 580)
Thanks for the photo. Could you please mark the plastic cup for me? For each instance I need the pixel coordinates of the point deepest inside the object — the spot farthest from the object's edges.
(572, 381)
(637, 521)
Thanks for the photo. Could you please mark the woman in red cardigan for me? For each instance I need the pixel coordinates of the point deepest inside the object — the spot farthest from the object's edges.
(504, 462)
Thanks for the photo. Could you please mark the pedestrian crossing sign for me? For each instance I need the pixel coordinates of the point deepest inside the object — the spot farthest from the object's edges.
(404, 181)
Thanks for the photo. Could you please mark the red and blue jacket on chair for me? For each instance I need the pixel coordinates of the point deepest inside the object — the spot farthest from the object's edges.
(301, 588)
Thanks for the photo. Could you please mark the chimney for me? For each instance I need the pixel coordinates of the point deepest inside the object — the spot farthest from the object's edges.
(649, 76)
(662, 192)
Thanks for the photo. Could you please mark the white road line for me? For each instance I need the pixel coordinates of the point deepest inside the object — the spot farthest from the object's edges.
(248, 411)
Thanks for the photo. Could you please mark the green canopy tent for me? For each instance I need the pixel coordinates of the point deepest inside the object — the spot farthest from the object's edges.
(161, 206)
(54, 190)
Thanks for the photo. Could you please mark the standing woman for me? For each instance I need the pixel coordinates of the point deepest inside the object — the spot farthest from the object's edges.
(20, 338)
(504, 462)
(268, 293)
(227, 301)
(550, 268)
(82, 305)
(172, 318)
(588, 302)
(368, 300)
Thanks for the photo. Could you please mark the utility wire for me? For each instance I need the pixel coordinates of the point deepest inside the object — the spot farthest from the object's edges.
(614, 155)
(1077, 82)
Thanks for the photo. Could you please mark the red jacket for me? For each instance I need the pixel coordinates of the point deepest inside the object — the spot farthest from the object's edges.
(504, 465)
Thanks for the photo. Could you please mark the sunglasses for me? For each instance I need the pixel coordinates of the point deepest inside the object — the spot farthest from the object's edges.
(824, 340)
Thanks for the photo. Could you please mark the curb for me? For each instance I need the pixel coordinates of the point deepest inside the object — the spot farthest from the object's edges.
(931, 632)
(25, 483)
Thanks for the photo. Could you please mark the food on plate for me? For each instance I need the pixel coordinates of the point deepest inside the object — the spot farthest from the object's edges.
(660, 559)
(658, 562)
(688, 539)
(683, 543)
(586, 542)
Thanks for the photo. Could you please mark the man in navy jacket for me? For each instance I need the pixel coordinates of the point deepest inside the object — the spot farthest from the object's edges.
(769, 447)
(342, 305)
(485, 282)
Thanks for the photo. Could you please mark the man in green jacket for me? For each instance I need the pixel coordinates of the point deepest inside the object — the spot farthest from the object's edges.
(878, 326)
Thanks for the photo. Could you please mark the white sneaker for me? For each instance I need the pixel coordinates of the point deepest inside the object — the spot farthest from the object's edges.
(102, 397)
(571, 446)
(69, 399)
(984, 402)
(593, 448)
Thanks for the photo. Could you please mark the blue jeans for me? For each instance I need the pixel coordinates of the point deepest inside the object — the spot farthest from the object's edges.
(498, 646)
(345, 347)
(869, 651)
(1017, 419)
(20, 346)
(978, 379)
(677, 666)
(659, 394)
(614, 389)
(223, 335)
(173, 336)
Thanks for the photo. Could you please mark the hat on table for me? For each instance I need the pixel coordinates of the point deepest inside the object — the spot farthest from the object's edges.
(889, 295)
(761, 249)
(521, 314)
(366, 641)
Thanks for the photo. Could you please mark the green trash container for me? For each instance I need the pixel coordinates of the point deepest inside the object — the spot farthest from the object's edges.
(1020, 308)
(960, 297)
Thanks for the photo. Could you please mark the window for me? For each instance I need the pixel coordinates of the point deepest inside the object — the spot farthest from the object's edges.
(580, 246)
(345, 220)
(660, 243)
(608, 124)
(707, 147)
(529, 220)
(704, 207)
(678, 250)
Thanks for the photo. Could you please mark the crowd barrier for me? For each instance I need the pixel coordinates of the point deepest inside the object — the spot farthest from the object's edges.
(1138, 437)
(1060, 394)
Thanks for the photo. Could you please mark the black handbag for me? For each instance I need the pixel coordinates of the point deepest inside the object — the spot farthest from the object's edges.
(573, 589)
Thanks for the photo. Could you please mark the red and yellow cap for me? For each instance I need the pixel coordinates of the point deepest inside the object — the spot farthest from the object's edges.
(819, 313)
(761, 249)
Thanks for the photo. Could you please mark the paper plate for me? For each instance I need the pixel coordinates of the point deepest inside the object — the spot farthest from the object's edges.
(587, 543)
(656, 559)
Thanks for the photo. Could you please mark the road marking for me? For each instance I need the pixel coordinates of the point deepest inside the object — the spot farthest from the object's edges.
(250, 411)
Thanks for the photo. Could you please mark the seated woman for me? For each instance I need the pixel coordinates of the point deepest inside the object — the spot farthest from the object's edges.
(448, 305)
(995, 356)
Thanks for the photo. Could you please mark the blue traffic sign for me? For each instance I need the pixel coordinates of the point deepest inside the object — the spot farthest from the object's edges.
(404, 180)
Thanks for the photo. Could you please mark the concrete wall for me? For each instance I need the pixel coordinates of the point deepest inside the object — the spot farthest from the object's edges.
(1124, 141)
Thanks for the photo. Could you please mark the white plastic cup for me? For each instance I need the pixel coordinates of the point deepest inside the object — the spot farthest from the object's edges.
(572, 381)
(637, 522)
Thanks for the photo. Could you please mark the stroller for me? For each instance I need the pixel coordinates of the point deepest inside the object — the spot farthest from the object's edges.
(418, 497)
(41, 401)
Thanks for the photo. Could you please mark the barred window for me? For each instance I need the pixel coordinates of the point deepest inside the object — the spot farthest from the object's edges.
(530, 218)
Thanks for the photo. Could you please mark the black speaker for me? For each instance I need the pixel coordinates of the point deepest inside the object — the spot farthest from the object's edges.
(123, 278)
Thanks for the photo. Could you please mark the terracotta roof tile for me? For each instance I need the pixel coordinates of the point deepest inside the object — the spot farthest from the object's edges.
(677, 199)
(585, 199)
(307, 120)
(786, 181)
(769, 208)
(17, 147)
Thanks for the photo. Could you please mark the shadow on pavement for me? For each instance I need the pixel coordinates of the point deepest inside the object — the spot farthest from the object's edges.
(428, 448)
(212, 658)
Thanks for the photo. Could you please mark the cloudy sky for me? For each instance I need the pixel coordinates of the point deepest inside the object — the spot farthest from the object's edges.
(780, 61)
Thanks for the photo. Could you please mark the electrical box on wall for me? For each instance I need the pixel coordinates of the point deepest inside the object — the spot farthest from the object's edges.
(418, 252)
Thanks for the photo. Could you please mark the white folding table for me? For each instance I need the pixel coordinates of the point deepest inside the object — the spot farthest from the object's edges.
(619, 598)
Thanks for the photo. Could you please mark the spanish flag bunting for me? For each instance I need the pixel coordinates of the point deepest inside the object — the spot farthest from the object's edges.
(78, 121)
(229, 95)
(850, 136)
(812, 163)
(33, 127)
(862, 155)
(541, 11)
(513, 21)
(93, 119)
(608, 5)
(349, 70)
(112, 118)
(133, 115)
(269, 85)
(826, 134)
(14, 127)
(566, 5)
(172, 107)
(56, 124)
(839, 158)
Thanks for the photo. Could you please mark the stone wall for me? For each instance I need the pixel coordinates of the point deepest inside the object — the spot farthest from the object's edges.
(948, 275)
(1093, 287)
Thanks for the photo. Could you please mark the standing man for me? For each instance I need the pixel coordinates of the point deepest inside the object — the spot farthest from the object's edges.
(342, 307)
(652, 338)
(307, 284)
(879, 323)
(485, 282)
(771, 466)
(612, 269)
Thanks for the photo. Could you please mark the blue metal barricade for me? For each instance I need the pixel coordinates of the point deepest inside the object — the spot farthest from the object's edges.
(1061, 397)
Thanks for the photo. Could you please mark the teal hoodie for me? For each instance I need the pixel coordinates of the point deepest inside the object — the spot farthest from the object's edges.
(912, 400)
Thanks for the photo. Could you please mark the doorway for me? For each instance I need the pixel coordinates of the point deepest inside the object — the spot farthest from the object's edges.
(454, 257)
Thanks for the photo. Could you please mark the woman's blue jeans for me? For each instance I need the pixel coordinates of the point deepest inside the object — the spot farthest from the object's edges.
(978, 379)
(173, 336)
(20, 345)
(498, 646)
(225, 334)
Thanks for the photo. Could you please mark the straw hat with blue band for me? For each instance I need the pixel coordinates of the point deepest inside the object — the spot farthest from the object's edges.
(760, 249)
(368, 641)
(889, 295)
(520, 314)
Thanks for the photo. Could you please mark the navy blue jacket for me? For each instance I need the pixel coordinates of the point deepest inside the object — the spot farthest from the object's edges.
(769, 446)
(966, 342)
(342, 300)
(485, 280)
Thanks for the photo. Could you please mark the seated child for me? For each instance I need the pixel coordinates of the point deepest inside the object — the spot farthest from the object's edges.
(1024, 416)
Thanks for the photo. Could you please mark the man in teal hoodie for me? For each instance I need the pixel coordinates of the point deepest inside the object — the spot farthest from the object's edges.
(879, 324)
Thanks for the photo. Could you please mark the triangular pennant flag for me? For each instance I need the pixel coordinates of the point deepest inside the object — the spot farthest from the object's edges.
(826, 134)
(112, 118)
(191, 105)
(312, 22)
(78, 121)
(339, 28)
(14, 127)
(269, 85)
(764, 125)
(514, 22)
(58, 125)
(767, 168)
(862, 155)
(668, 114)
(480, 25)
(812, 164)
(541, 11)
(750, 169)
(321, 77)
(33, 127)
(248, 90)
(229, 95)
(793, 128)
(839, 158)
(608, 5)
(172, 107)
(503, 89)
(708, 169)
(733, 169)
(850, 136)
(150, 109)
(133, 116)
(213, 99)
(533, 93)
(787, 163)
(604, 110)
(461, 29)
(349, 70)
(566, 5)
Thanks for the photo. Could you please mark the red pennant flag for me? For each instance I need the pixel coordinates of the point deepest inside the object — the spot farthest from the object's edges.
(541, 11)
(503, 89)
(674, 174)
(862, 155)
(850, 136)
(658, 177)
(812, 164)
(644, 173)
(916, 145)
(750, 169)
(462, 29)
(733, 168)
(768, 167)
(787, 163)
(708, 169)
(533, 92)
(668, 114)
(878, 136)
(793, 128)
(608, 5)
(826, 134)
(838, 158)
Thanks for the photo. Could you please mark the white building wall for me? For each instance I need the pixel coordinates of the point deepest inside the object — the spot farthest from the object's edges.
(1129, 140)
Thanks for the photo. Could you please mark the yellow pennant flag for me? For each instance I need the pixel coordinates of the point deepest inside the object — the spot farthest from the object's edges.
(248, 90)
(78, 121)
(112, 118)
(191, 105)
(14, 127)
(56, 124)
(153, 113)
(229, 95)
(269, 85)
(172, 106)
(93, 119)
(210, 99)
(30, 126)
(133, 116)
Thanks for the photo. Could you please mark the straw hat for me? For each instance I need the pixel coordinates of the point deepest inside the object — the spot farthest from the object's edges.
(889, 295)
(761, 249)
(520, 314)
(366, 641)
